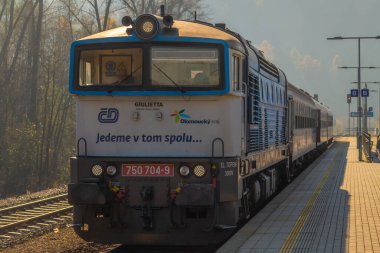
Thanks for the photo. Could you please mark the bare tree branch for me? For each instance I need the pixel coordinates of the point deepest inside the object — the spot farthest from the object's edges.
(76, 17)
(11, 29)
(106, 14)
(50, 5)
(94, 5)
(3, 8)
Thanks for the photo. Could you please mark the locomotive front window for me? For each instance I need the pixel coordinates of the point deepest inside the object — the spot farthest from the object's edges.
(185, 67)
(111, 67)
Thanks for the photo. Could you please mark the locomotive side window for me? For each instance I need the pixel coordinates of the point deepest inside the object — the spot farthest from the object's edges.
(110, 67)
(185, 66)
(236, 72)
(87, 70)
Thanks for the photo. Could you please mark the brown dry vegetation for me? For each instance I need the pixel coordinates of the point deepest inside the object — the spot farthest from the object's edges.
(37, 113)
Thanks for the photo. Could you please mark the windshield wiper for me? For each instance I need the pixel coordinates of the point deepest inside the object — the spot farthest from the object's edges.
(123, 81)
(168, 77)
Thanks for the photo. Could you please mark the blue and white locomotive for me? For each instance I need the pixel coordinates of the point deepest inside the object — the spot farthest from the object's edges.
(183, 130)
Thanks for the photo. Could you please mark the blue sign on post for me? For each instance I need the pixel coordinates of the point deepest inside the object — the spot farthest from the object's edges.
(354, 93)
(357, 114)
(365, 92)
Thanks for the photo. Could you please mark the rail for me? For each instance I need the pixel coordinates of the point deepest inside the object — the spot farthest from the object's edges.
(16, 218)
(367, 146)
(33, 203)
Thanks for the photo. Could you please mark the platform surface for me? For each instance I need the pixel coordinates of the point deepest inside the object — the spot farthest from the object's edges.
(333, 206)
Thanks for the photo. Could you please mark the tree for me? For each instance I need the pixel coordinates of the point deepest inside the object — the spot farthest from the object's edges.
(95, 6)
(180, 9)
(35, 45)
(92, 15)
(36, 136)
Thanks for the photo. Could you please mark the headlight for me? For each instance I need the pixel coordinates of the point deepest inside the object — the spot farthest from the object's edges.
(147, 26)
(199, 170)
(97, 170)
(184, 171)
(111, 170)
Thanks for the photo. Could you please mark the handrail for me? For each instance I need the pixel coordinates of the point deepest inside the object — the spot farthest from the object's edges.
(78, 146)
(213, 146)
(367, 146)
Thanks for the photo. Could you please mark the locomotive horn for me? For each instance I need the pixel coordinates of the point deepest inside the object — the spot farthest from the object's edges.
(127, 21)
(168, 21)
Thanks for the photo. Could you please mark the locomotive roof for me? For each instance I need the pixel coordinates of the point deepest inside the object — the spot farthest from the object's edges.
(184, 28)
(303, 95)
(300, 94)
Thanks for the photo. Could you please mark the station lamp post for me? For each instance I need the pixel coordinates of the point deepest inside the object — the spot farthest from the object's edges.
(359, 85)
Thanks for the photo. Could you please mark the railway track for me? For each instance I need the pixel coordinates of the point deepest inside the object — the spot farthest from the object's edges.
(29, 217)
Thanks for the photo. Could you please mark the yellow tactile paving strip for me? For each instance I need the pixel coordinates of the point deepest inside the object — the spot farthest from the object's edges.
(290, 242)
(334, 206)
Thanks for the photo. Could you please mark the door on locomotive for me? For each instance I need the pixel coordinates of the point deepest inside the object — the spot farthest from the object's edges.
(318, 136)
(291, 122)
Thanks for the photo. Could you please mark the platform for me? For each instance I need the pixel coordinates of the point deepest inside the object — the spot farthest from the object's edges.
(333, 206)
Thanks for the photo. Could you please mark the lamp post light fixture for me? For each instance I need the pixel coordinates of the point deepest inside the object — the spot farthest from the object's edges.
(358, 38)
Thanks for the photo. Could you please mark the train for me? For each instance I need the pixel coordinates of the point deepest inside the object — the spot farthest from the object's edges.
(183, 130)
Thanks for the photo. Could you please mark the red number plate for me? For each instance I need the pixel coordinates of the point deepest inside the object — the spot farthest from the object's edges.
(148, 170)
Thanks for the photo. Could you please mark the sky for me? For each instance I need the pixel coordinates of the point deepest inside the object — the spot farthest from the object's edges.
(292, 34)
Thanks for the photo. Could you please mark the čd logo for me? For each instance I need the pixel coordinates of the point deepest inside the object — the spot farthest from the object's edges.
(108, 115)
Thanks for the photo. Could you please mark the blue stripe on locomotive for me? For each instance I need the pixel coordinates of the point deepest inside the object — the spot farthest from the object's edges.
(145, 93)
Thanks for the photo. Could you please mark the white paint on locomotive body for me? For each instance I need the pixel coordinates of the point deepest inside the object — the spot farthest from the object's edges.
(186, 127)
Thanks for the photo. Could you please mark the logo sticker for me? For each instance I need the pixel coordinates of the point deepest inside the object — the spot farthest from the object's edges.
(182, 118)
(108, 115)
(179, 115)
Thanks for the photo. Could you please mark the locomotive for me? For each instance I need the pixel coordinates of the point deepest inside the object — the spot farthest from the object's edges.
(183, 130)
